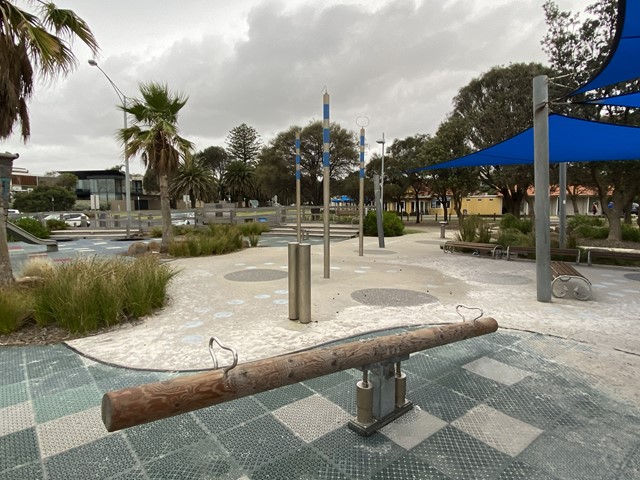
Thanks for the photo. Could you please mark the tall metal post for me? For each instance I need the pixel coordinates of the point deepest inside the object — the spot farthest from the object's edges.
(542, 203)
(326, 141)
(379, 219)
(304, 282)
(361, 197)
(298, 204)
(562, 210)
(294, 280)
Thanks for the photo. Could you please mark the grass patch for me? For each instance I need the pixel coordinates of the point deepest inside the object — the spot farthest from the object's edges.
(253, 228)
(16, 308)
(214, 240)
(88, 294)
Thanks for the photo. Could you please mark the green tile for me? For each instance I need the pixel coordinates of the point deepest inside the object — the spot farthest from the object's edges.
(100, 459)
(425, 367)
(282, 396)
(50, 407)
(304, 464)
(220, 418)
(11, 372)
(530, 406)
(45, 360)
(521, 471)
(58, 382)
(325, 382)
(355, 455)
(156, 439)
(18, 449)
(125, 379)
(470, 385)
(31, 471)
(461, 456)
(409, 466)
(202, 460)
(441, 401)
(13, 355)
(13, 393)
(259, 441)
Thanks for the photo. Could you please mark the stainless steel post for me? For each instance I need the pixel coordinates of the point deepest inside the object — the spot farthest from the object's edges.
(380, 221)
(542, 204)
(293, 270)
(562, 210)
(361, 198)
(304, 282)
(298, 200)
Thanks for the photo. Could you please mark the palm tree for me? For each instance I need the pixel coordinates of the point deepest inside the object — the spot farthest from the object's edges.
(195, 179)
(31, 45)
(154, 136)
(238, 180)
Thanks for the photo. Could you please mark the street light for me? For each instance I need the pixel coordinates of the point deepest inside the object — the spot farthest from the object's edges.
(127, 186)
(381, 142)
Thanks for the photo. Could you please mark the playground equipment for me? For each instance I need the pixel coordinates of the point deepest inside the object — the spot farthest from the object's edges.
(380, 394)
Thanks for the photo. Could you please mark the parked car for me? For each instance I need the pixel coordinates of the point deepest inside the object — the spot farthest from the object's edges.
(183, 218)
(71, 219)
(634, 209)
(13, 211)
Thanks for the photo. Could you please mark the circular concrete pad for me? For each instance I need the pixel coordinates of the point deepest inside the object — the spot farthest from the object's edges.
(256, 275)
(633, 276)
(392, 297)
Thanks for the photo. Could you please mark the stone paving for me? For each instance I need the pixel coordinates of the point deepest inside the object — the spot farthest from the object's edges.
(552, 395)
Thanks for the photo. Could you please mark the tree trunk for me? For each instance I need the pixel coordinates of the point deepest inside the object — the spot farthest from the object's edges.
(6, 273)
(192, 198)
(165, 209)
(613, 217)
(417, 207)
(574, 202)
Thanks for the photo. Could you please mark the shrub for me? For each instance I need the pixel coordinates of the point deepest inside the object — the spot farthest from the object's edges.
(630, 233)
(33, 226)
(510, 221)
(391, 224)
(88, 294)
(56, 225)
(38, 267)
(216, 240)
(591, 231)
(513, 236)
(467, 228)
(578, 220)
(253, 240)
(155, 232)
(16, 307)
(253, 228)
(484, 232)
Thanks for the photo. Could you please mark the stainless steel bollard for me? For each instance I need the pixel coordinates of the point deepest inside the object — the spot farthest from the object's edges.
(293, 270)
(304, 282)
(443, 227)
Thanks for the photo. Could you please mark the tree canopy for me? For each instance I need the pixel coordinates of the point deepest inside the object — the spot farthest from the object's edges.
(44, 199)
(244, 144)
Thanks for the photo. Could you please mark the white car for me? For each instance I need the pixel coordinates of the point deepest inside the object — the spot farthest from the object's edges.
(183, 218)
(71, 219)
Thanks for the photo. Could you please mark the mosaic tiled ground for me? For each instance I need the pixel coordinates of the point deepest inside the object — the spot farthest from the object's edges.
(498, 407)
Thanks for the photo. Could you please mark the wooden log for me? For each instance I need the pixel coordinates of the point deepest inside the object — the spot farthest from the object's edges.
(146, 403)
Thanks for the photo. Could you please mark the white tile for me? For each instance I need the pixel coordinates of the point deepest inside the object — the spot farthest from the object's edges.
(71, 431)
(412, 428)
(16, 417)
(312, 417)
(496, 371)
(502, 432)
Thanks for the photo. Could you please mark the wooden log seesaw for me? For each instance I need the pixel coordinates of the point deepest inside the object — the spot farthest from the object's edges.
(380, 399)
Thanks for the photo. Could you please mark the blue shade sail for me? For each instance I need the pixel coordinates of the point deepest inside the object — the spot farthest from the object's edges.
(570, 140)
(626, 100)
(622, 62)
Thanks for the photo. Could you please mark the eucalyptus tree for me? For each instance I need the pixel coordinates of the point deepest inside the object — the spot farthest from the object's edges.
(495, 107)
(576, 49)
(154, 136)
(343, 151)
(32, 44)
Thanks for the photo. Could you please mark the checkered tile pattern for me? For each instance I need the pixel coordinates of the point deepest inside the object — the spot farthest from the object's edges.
(498, 407)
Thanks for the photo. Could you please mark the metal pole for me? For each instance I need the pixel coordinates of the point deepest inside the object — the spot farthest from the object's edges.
(298, 201)
(127, 178)
(304, 282)
(380, 223)
(361, 195)
(542, 203)
(562, 199)
(293, 272)
(382, 175)
(326, 139)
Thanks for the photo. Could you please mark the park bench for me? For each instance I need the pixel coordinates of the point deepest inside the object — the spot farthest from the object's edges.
(493, 248)
(564, 276)
(514, 250)
(595, 253)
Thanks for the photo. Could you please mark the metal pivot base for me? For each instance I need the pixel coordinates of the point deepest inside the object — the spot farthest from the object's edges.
(366, 430)
(380, 396)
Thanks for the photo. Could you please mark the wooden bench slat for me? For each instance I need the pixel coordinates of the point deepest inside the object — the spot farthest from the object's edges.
(564, 273)
(593, 253)
(494, 248)
(559, 252)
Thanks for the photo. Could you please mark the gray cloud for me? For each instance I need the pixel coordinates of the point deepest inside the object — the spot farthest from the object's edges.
(400, 63)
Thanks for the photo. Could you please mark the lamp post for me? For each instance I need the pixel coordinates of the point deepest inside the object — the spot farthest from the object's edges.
(127, 186)
(381, 142)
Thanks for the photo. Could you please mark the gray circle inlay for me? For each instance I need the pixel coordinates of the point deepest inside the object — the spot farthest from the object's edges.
(378, 252)
(256, 275)
(392, 297)
(633, 276)
(500, 279)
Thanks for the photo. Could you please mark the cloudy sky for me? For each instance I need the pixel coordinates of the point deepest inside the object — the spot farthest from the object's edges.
(266, 63)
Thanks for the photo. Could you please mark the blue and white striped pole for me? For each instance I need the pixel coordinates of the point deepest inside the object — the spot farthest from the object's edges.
(326, 140)
(298, 202)
(361, 201)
